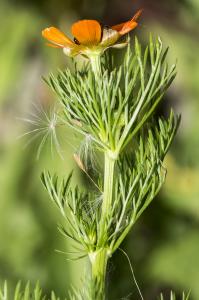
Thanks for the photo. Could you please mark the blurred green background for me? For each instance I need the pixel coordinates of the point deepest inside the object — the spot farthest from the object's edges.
(164, 245)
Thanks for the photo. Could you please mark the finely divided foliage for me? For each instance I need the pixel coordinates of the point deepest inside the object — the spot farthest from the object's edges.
(173, 296)
(140, 176)
(29, 293)
(113, 110)
(115, 106)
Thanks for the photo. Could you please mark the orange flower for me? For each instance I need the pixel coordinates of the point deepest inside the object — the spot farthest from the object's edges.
(90, 38)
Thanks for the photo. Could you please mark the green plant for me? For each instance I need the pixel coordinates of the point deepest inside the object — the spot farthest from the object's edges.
(36, 293)
(114, 107)
(173, 297)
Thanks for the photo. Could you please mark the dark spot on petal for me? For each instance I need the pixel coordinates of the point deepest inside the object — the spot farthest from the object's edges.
(76, 41)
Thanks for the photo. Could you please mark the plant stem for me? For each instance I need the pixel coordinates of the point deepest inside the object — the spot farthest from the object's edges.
(100, 257)
(109, 163)
(95, 64)
(98, 267)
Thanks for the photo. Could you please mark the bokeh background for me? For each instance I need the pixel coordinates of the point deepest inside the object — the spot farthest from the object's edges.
(164, 245)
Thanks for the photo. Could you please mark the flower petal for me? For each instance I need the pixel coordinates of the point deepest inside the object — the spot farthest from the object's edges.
(87, 32)
(56, 37)
(52, 45)
(125, 27)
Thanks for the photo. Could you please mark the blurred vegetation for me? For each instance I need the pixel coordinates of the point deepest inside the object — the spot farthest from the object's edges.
(165, 244)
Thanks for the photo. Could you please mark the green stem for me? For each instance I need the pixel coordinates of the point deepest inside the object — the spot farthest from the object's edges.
(98, 261)
(95, 64)
(109, 164)
(100, 257)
